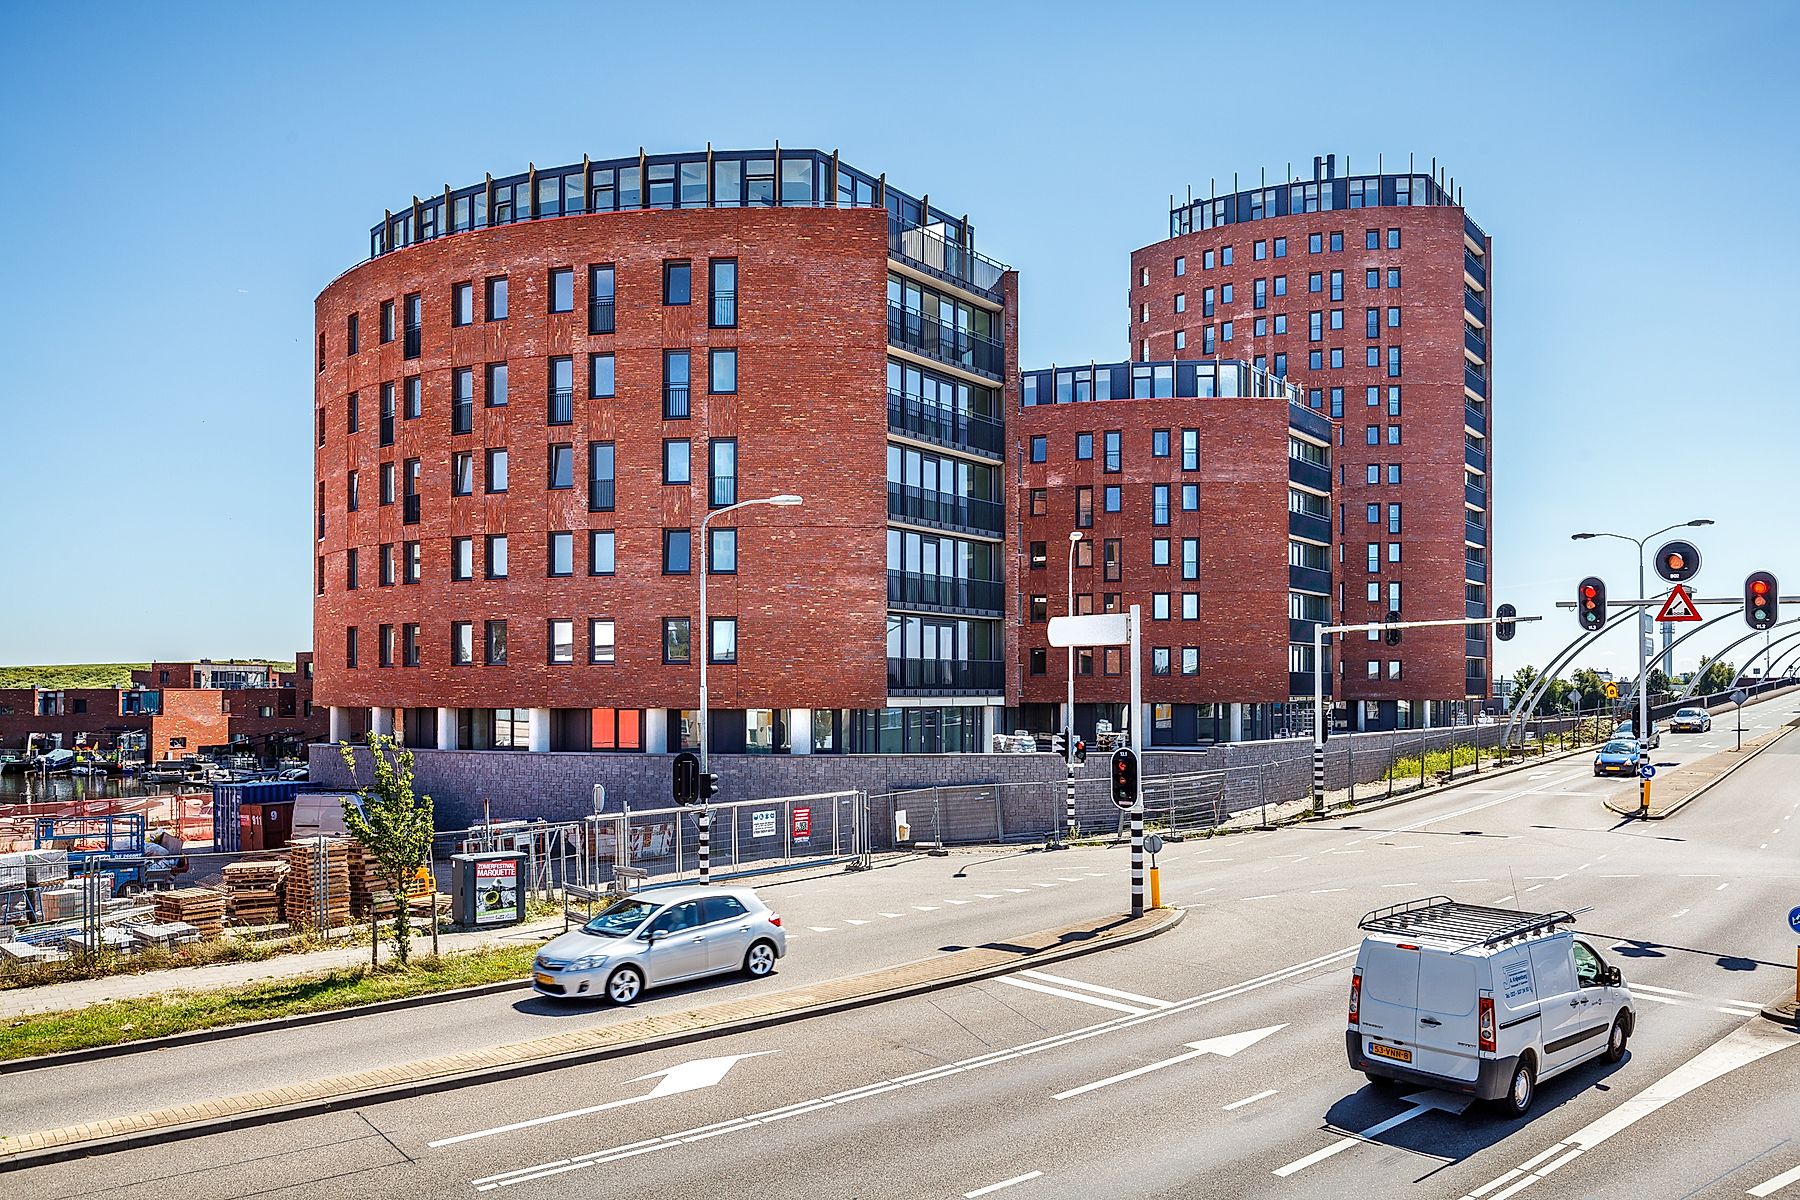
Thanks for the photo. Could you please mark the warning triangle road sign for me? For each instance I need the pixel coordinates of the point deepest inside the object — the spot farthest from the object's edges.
(1679, 606)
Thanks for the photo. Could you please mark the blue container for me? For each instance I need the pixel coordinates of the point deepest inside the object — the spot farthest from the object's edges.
(228, 798)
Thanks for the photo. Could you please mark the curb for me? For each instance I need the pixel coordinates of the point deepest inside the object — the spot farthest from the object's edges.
(23, 1160)
(1333, 814)
(1785, 1013)
(1706, 787)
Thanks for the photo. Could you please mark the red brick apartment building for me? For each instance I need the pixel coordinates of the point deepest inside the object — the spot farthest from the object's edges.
(1372, 292)
(540, 394)
(174, 708)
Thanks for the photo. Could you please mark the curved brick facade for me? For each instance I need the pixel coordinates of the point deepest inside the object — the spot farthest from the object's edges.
(808, 416)
(1431, 417)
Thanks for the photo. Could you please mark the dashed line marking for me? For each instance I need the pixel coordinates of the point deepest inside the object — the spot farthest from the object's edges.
(1236, 1104)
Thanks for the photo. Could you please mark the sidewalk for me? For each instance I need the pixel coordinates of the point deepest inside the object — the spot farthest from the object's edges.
(580, 1046)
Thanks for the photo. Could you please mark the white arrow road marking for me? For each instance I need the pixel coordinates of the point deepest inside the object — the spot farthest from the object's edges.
(1225, 1047)
(934, 1074)
(1004, 1183)
(1776, 1184)
(1066, 994)
(1742, 1047)
(1422, 1102)
(688, 1077)
(1046, 977)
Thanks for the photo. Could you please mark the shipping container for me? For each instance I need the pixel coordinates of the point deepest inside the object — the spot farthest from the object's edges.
(228, 798)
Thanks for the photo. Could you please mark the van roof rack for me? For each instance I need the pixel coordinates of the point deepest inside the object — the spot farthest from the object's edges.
(1470, 925)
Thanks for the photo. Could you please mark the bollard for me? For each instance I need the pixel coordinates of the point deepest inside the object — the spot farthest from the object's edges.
(1156, 889)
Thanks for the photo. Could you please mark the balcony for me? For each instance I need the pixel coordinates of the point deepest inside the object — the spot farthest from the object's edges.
(1475, 269)
(1474, 379)
(944, 676)
(1300, 632)
(1474, 343)
(1300, 683)
(962, 431)
(1474, 571)
(1309, 527)
(1309, 579)
(561, 407)
(1475, 533)
(1474, 647)
(943, 259)
(1474, 418)
(675, 402)
(600, 316)
(1474, 305)
(914, 330)
(1475, 458)
(723, 311)
(410, 509)
(721, 492)
(601, 495)
(909, 503)
(1474, 495)
(1309, 474)
(910, 589)
(1475, 610)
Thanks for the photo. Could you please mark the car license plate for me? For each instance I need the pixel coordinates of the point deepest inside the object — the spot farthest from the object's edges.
(1393, 1052)
(543, 978)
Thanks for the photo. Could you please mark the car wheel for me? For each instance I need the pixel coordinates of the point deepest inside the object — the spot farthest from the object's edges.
(759, 960)
(1521, 1091)
(1615, 1041)
(624, 985)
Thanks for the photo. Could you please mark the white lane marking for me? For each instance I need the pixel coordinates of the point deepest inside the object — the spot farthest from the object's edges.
(1471, 881)
(1503, 899)
(1584, 866)
(1343, 851)
(929, 1075)
(684, 1077)
(1066, 994)
(1018, 891)
(987, 896)
(1115, 993)
(851, 921)
(1776, 1184)
(958, 901)
(822, 928)
(1226, 1047)
(1534, 887)
(1372, 1132)
(1270, 896)
(1742, 1047)
(1723, 886)
(1004, 1183)
(1618, 877)
(926, 907)
(1641, 994)
(1035, 884)
(1236, 1104)
(1684, 912)
(890, 915)
(1070, 878)
(1323, 891)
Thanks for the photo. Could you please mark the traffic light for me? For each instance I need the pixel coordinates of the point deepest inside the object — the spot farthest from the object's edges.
(1762, 600)
(687, 777)
(1124, 777)
(1059, 742)
(1505, 629)
(1678, 562)
(1590, 603)
(709, 785)
(1080, 750)
(1393, 635)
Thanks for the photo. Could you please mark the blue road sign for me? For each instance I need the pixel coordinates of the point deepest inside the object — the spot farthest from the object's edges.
(1647, 771)
(1794, 920)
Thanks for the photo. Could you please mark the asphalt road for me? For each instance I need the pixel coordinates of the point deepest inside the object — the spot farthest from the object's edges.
(1014, 1081)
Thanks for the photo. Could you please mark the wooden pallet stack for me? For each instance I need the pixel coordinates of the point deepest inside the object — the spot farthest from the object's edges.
(254, 887)
(203, 908)
(302, 901)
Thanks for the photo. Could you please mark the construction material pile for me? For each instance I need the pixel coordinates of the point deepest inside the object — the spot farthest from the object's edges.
(318, 883)
(254, 886)
(203, 908)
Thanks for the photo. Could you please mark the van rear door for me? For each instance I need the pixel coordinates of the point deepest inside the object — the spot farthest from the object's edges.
(1390, 996)
(1448, 992)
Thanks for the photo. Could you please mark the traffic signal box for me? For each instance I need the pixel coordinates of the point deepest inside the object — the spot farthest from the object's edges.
(1124, 777)
(1505, 629)
(1590, 603)
(687, 777)
(1762, 600)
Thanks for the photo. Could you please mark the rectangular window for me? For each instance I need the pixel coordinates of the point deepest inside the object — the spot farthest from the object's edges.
(1393, 552)
(387, 321)
(1190, 497)
(387, 483)
(1190, 558)
(409, 647)
(676, 634)
(462, 473)
(415, 397)
(560, 395)
(1337, 285)
(496, 298)
(1084, 508)
(678, 283)
(562, 289)
(721, 551)
(1040, 502)
(1039, 556)
(1039, 451)
(496, 471)
(462, 304)
(600, 299)
(1393, 435)
(1190, 449)
(677, 551)
(561, 642)
(1112, 498)
(1159, 660)
(415, 315)
(600, 477)
(1393, 277)
(601, 643)
(1374, 557)
(462, 558)
(1113, 451)
(350, 571)
(600, 376)
(721, 641)
(1372, 279)
(1372, 355)
(676, 367)
(721, 472)
(1393, 243)
(385, 434)
(1159, 504)
(1084, 447)
(1180, 302)
(1159, 552)
(1040, 661)
(561, 556)
(676, 466)
(496, 643)
(1337, 240)
(721, 372)
(1180, 265)
(1393, 473)
(496, 556)
(1190, 660)
(351, 341)
(350, 647)
(1159, 443)
(351, 497)
(496, 384)
(1393, 362)
(601, 552)
(1040, 609)
(1374, 474)
(721, 293)
(1190, 606)
(352, 420)
(462, 643)
(411, 562)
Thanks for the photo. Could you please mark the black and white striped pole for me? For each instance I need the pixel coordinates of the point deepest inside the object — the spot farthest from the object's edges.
(1132, 715)
(1318, 787)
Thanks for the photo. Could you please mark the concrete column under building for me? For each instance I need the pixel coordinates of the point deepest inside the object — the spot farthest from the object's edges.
(537, 729)
(656, 731)
(447, 729)
(1234, 722)
(339, 724)
(799, 726)
(381, 720)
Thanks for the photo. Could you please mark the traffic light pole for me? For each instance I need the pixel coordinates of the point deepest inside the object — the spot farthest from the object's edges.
(1134, 724)
(1319, 632)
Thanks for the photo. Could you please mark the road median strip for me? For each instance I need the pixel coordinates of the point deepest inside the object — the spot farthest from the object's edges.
(472, 1067)
(1690, 781)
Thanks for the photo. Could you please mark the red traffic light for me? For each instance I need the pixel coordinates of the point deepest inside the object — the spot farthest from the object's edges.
(1759, 587)
(1589, 590)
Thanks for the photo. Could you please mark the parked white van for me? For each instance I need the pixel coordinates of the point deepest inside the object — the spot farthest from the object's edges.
(1484, 1001)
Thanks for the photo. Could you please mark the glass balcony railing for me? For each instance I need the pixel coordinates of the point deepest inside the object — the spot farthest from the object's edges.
(916, 330)
(945, 259)
(906, 588)
(945, 425)
(943, 675)
(909, 503)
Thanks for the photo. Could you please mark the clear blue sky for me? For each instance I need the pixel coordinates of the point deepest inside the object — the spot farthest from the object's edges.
(184, 179)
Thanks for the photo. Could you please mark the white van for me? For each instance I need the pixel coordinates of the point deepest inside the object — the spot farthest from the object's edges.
(1484, 1001)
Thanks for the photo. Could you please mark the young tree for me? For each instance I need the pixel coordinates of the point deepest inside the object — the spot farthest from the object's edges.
(393, 824)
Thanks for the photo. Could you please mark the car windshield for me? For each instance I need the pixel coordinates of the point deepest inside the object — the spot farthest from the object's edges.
(1619, 748)
(1688, 712)
(620, 919)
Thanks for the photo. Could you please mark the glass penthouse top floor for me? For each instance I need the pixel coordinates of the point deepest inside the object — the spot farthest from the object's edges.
(1152, 381)
(941, 243)
(1326, 194)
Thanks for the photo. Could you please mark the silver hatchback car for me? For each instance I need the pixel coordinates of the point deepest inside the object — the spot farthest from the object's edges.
(666, 936)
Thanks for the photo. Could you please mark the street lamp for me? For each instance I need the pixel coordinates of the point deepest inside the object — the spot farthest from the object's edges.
(1642, 729)
(782, 501)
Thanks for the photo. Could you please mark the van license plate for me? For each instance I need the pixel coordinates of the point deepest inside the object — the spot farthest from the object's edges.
(1393, 1052)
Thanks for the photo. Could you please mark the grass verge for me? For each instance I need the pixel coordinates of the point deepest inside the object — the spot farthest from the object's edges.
(119, 1021)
